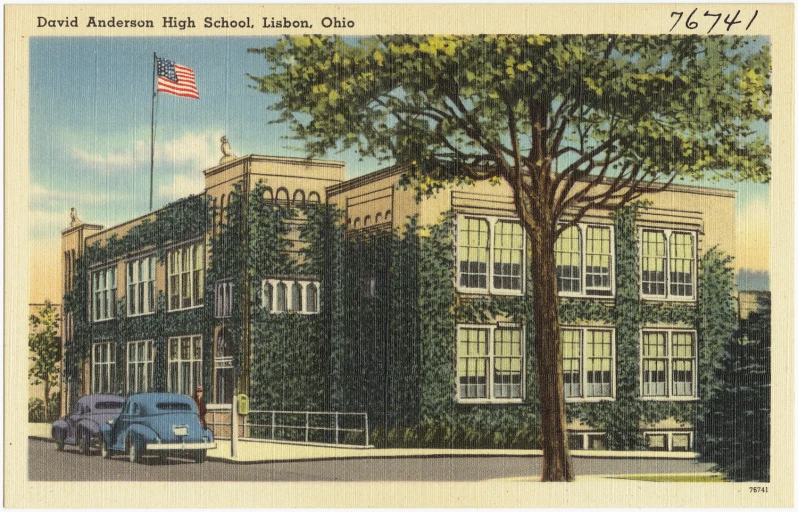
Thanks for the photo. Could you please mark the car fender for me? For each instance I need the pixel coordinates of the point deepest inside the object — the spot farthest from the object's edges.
(89, 426)
(142, 432)
(207, 432)
(59, 430)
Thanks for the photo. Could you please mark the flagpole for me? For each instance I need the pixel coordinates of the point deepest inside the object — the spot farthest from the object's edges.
(152, 125)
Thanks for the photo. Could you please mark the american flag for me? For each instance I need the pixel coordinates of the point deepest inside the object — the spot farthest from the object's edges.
(176, 79)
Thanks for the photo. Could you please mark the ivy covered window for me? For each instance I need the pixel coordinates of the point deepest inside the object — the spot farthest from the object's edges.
(668, 364)
(139, 366)
(185, 364)
(223, 298)
(490, 255)
(186, 277)
(588, 358)
(290, 295)
(667, 264)
(141, 286)
(490, 363)
(584, 256)
(103, 285)
(103, 367)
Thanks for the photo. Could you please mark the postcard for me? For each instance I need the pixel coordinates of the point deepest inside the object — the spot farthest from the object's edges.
(399, 256)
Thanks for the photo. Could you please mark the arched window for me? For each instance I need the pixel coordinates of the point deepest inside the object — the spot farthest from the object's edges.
(280, 307)
(73, 260)
(268, 194)
(313, 197)
(282, 195)
(366, 220)
(299, 196)
(357, 222)
(378, 218)
(387, 215)
(296, 297)
(266, 296)
(349, 221)
(312, 299)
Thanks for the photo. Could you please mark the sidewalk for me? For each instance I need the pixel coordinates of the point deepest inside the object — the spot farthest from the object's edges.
(260, 451)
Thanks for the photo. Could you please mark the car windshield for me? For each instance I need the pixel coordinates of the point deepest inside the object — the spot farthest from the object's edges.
(108, 405)
(173, 406)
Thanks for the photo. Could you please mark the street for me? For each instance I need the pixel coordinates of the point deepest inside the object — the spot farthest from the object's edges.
(47, 464)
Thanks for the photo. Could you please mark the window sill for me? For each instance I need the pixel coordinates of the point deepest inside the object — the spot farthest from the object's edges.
(654, 298)
(101, 320)
(489, 401)
(141, 314)
(478, 291)
(669, 398)
(591, 399)
(185, 309)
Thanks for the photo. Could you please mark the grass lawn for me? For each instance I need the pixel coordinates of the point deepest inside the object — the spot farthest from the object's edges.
(704, 478)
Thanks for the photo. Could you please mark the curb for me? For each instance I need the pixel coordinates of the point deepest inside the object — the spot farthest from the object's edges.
(229, 460)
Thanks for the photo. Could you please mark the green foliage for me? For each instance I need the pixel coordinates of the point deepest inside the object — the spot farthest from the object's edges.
(45, 349)
(713, 319)
(455, 105)
(184, 220)
(38, 413)
(734, 428)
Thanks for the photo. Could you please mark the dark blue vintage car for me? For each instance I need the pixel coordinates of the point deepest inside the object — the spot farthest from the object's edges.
(158, 423)
(82, 427)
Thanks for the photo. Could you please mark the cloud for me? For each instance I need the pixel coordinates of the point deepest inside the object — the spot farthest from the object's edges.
(196, 150)
(182, 186)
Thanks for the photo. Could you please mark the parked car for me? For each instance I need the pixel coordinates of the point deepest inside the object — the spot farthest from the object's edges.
(159, 423)
(82, 426)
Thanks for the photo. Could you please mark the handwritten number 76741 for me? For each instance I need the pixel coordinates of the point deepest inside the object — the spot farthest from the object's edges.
(729, 20)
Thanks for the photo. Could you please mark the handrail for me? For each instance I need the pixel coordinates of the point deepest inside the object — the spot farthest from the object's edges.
(334, 428)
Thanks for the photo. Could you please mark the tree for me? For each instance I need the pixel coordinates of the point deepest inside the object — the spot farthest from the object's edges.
(572, 123)
(45, 346)
(734, 429)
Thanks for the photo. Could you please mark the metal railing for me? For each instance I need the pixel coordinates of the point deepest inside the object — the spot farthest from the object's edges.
(329, 428)
(339, 428)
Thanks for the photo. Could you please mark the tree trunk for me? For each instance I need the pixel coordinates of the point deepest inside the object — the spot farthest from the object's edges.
(556, 456)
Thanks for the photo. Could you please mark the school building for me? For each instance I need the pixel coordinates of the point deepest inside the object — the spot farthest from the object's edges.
(304, 290)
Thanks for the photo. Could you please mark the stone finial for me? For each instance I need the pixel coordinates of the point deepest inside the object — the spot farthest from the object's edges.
(74, 220)
(227, 153)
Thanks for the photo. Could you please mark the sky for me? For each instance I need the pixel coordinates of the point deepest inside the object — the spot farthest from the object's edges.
(90, 121)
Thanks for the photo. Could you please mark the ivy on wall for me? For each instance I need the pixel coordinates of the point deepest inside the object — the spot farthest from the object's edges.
(384, 340)
(184, 220)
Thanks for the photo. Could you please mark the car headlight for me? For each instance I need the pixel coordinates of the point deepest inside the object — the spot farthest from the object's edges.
(204, 439)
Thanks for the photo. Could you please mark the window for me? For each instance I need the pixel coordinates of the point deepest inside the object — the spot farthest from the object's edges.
(141, 286)
(584, 257)
(139, 366)
(223, 299)
(185, 364)
(282, 295)
(104, 292)
(668, 362)
(224, 368)
(667, 264)
(490, 363)
(103, 362)
(186, 277)
(668, 441)
(490, 255)
(588, 358)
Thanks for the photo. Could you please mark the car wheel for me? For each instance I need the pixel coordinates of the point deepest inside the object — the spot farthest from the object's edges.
(59, 445)
(85, 443)
(134, 451)
(199, 457)
(104, 451)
